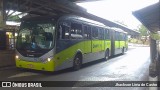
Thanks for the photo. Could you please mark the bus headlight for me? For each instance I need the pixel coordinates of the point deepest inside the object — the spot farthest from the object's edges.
(17, 57)
(48, 59)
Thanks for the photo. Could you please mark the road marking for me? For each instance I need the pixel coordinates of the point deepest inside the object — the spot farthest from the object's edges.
(23, 74)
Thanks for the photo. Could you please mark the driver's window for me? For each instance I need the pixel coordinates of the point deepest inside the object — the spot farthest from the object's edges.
(64, 31)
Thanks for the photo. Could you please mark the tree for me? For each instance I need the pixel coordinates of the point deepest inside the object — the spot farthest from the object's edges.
(143, 32)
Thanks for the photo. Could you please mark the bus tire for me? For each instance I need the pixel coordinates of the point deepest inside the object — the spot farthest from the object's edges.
(106, 55)
(122, 50)
(77, 62)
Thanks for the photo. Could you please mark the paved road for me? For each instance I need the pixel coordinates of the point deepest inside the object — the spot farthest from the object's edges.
(132, 66)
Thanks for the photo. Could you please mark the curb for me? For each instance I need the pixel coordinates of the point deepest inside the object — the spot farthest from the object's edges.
(6, 67)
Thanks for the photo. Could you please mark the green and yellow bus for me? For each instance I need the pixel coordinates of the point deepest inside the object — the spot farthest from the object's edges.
(55, 43)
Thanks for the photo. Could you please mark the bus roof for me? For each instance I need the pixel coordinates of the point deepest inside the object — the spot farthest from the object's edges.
(84, 20)
(118, 29)
(74, 18)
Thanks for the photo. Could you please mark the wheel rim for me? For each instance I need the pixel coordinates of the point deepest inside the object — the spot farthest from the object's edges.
(107, 55)
(77, 61)
(123, 51)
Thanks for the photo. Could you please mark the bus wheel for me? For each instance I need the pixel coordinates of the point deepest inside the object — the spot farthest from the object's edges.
(77, 62)
(106, 55)
(123, 51)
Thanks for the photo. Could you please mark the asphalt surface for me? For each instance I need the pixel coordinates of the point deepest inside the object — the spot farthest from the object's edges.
(132, 66)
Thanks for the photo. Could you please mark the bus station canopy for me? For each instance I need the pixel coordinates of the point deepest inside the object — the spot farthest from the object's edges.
(150, 17)
(56, 8)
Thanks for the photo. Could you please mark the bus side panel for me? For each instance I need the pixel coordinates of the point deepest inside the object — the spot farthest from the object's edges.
(122, 44)
(112, 42)
(126, 42)
(96, 46)
(107, 44)
(87, 46)
(103, 45)
(117, 47)
(96, 51)
(126, 45)
(118, 43)
(65, 52)
(102, 51)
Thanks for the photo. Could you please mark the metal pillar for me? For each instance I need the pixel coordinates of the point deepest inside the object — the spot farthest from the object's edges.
(2, 15)
(153, 68)
(153, 72)
(153, 49)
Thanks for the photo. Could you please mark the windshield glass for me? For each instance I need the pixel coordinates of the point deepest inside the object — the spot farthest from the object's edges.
(36, 36)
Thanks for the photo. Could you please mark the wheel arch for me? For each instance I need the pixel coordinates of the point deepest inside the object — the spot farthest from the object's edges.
(79, 53)
(109, 51)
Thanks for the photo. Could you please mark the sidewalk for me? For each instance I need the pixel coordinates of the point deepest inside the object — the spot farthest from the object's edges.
(137, 45)
(7, 58)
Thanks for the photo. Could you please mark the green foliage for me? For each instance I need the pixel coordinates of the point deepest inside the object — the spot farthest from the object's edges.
(133, 40)
(155, 36)
(144, 33)
(143, 30)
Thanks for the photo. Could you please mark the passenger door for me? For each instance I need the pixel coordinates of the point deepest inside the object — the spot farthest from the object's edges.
(96, 44)
(101, 37)
(87, 39)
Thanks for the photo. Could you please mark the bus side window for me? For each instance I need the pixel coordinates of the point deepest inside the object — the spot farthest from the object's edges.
(116, 36)
(87, 32)
(94, 33)
(107, 36)
(121, 36)
(58, 32)
(101, 34)
(76, 31)
(63, 32)
(125, 37)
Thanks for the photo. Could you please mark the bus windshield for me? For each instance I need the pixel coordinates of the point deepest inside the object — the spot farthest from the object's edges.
(36, 36)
